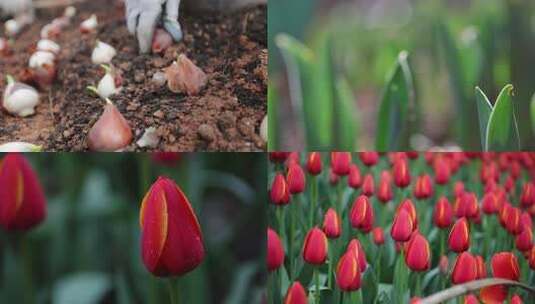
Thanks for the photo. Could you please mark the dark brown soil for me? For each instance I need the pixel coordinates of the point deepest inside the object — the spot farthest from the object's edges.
(226, 116)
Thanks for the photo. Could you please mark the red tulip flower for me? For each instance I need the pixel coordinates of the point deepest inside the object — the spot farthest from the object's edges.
(470, 299)
(280, 194)
(512, 222)
(411, 209)
(296, 294)
(331, 224)
(368, 185)
(275, 251)
(362, 215)
(464, 269)
(531, 258)
(354, 180)
(466, 205)
(418, 254)
(378, 236)
(278, 157)
(340, 162)
(527, 198)
(495, 294)
(516, 299)
(315, 247)
(458, 188)
(402, 227)
(524, 241)
(459, 238)
(402, 176)
(505, 265)
(384, 191)
(296, 179)
(490, 203)
(171, 237)
(481, 267)
(348, 273)
(442, 170)
(166, 158)
(443, 213)
(333, 178)
(369, 158)
(314, 164)
(22, 201)
(356, 248)
(424, 187)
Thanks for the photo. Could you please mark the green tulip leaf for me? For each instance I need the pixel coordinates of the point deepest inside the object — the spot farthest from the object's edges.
(502, 129)
(273, 119)
(392, 121)
(484, 108)
(346, 123)
(532, 113)
(83, 288)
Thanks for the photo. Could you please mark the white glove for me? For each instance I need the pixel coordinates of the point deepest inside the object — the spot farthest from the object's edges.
(16, 7)
(142, 17)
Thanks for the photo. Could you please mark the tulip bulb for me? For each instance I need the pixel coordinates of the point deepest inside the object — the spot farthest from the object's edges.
(51, 30)
(12, 27)
(20, 147)
(20, 99)
(43, 68)
(89, 25)
(161, 41)
(111, 132)
(103, 53)
(183, 76)
(70, 12)
(46, 45)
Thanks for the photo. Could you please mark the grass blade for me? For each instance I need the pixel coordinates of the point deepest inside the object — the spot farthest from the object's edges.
(346, 129)
(484, 108)
(502, 130)
(273, 119)
(532, 113)
(392, 127)
(308, 95)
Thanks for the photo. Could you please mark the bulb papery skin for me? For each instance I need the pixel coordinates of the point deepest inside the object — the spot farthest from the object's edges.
(89, 24)
(103, 53)
(41, 58)
(106, 86)
(20, 99)
(12, 27)
(49, 46)
(183, 76)
(18, 146)
(111, 132)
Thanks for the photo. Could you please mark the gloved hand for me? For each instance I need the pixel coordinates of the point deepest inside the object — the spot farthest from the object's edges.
(16, 7)
(144, 15)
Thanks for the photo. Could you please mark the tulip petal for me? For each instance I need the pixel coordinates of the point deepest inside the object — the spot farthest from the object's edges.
(155, 228)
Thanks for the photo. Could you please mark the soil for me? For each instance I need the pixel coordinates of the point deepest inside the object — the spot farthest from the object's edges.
(226, 116)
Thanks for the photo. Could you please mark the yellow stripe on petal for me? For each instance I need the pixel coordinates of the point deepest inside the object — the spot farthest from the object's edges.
(163, 223)
(142, 210)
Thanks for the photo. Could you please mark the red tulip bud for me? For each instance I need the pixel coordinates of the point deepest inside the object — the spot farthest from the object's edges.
(275, 251)
(459, 239)
(384, 192)
(418, 254)
(296, 294)
(512, 221)
(516, 299)
(443, 213)
(369, 158)
(464, 269)
(493, 294)
(171, 237)
(466, 205)
(278, 157)
(333, 178)
(280, 195)
(378, 236)
(471, 299)
(340, 162)
(362, 215)
(354, 180)
(22, 203)
(423, 188)
(409, 207)
(348, 273)
(481, 267)
(415, 300)
(368, 185)
(524, 241)
(315, 247)
(458, 188)
(331, 224)
(527, 198)
(296, 179)
(490, 203)
(314, 163)
(402, 227)
(111, 132)
(442, 170)
(505, 265)
(355, 247)
(402, 176)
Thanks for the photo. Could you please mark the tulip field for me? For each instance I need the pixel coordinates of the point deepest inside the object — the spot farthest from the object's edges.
(401, 227)
(131, 228)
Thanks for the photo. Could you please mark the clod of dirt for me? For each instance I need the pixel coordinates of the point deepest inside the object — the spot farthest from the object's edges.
(111, 132)
(207, 133)
(226, 121)
(183, 76)
(158, 79)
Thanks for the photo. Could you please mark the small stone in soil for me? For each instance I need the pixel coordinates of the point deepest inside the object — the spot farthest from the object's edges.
(207, 133)
(159, 114)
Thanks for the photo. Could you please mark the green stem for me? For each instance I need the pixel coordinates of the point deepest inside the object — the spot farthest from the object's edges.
(173, 291)
(313, 186)
(418, 289)
(317, 283)
(291, 236)
(27, 264)
(378, 263)
(331, 260)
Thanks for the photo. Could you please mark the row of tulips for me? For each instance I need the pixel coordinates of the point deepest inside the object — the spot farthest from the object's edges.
(399, 227)
(171, 237)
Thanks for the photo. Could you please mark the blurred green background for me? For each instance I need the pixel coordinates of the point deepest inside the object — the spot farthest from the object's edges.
(88, 248)
(453, 47)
